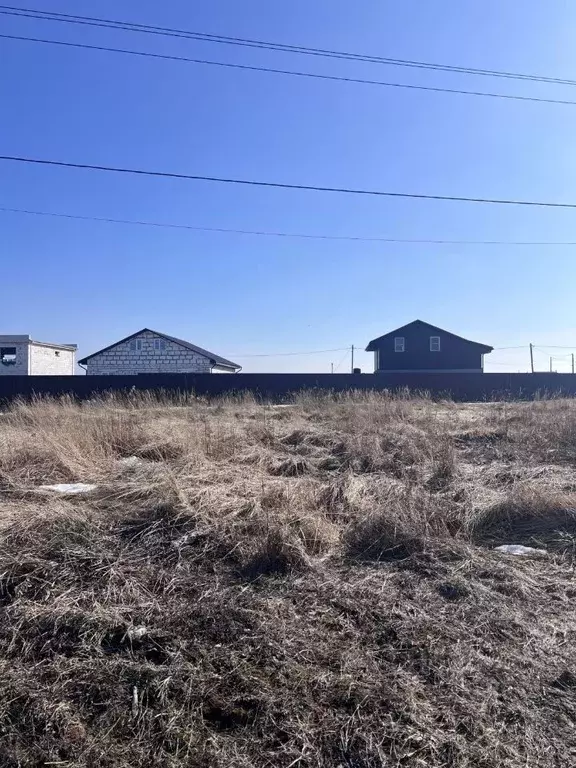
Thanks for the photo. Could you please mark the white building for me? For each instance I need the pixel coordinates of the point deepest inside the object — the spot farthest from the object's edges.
(148, 351)
(22, 356)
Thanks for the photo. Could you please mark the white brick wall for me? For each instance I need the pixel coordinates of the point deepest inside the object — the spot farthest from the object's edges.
(35, 358)
(46, 360)
(122, 360)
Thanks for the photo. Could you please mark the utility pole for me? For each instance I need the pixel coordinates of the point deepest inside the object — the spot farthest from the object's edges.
(352, 356)
(572, 362)
(331, 367)
(550, 363)
(532, 357)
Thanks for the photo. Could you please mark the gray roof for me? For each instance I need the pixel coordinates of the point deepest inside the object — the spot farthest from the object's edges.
(421, 323)
(20, 338)
(216, 360)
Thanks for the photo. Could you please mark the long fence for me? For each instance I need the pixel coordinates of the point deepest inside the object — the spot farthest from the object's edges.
(459, 386)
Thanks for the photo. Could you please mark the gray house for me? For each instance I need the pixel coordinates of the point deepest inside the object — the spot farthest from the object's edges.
(419, 347)
(148, 351)
(22, 356)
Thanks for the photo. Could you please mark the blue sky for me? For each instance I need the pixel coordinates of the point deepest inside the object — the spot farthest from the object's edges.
(92, 283)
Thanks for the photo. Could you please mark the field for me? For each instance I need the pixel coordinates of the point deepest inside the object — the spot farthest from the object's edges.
(313, 585)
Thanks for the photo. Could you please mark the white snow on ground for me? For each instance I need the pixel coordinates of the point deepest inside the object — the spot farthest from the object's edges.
(519, 549)
(69, 488)
(130, 461)
(137, 633)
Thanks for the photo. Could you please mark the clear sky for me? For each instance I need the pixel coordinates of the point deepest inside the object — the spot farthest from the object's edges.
(93, 283)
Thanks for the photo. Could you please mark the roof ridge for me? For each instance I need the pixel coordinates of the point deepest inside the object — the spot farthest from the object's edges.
(370, 348)
(216, 360)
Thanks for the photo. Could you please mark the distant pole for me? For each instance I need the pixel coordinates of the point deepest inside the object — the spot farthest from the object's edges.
(331, 367)
(532, 357)
(572, 362)
(550, 363)
(352, 366)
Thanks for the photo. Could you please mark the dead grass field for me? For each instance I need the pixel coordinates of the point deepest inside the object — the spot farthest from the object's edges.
(305, 586)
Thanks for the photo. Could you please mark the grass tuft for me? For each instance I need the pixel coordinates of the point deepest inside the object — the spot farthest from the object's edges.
(527, 516)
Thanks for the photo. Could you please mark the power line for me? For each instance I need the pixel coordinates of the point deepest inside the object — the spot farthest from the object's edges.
(292, 73)
(284, 185)
(541, 350)
(299, 235)
(347, 351)
(508, 365)
(344, 356)
(267, 45)
(496, 349)
(553, 346)
(292, 354)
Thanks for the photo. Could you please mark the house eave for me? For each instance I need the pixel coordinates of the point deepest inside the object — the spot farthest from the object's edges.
(229, 368)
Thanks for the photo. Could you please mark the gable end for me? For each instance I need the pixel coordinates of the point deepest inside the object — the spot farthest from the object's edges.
(434, 330)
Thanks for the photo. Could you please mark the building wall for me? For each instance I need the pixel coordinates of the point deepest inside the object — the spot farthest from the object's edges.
(20, 368)
(46, 360)
(122, 360)
(455, 354)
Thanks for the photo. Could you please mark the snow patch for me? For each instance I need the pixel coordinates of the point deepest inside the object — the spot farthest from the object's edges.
(69, 488)
(137, 633)
(519, 549)
(130, 461)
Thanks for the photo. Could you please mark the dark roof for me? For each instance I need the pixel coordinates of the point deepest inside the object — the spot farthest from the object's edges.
(374, 344)
(216, 360)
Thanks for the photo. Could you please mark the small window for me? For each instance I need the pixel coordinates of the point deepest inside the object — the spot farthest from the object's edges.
(8, 355)
(159, 345)
(399, 344)
(136, 345)
(434, 343)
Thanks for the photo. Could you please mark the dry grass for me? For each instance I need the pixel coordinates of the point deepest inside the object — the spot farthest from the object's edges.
(303, 586)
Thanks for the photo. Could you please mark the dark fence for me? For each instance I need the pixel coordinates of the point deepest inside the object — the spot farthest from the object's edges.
(459, 386)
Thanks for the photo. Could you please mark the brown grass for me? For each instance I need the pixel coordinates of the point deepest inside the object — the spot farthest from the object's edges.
(288, 587)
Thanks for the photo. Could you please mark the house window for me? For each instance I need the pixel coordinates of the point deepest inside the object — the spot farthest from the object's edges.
(434, 343)
(136, 345)
(399, 344)
(8, 355)
(159, 345)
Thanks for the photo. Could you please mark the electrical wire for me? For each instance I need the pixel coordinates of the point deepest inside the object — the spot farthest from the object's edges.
(540, 350)
(508, 365)
(292, 354)
(344, 356)
(358, 347)
(293, 73)
(297, 235)
(283, 185)
(553, 346)
(129, 26)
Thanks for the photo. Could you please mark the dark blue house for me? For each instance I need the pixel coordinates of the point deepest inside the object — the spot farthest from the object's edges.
(421, 347)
